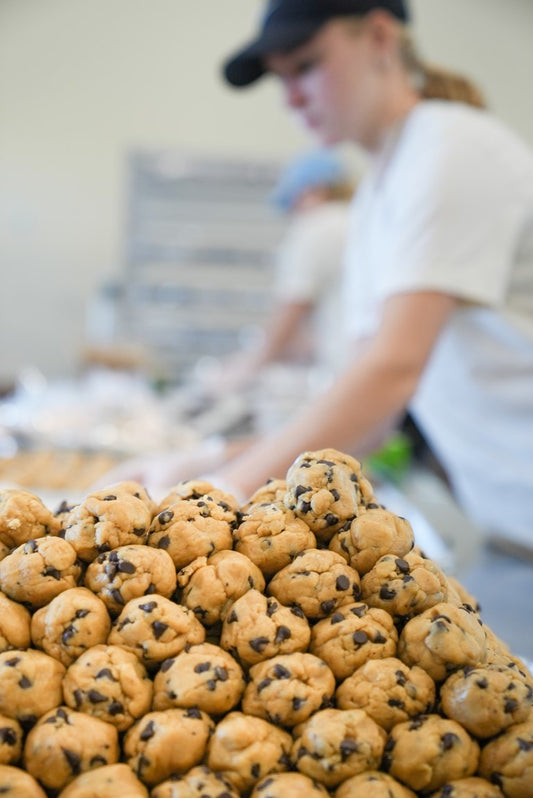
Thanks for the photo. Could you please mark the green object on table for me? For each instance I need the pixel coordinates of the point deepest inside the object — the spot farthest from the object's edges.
(393, 460)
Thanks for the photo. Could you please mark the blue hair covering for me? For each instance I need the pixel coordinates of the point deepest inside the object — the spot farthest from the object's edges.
(316, 169)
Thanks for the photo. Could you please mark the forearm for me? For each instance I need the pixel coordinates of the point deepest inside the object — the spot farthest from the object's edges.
(281, 331)
(361, 401)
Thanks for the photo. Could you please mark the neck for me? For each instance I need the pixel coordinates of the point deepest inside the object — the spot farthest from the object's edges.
(401, 101)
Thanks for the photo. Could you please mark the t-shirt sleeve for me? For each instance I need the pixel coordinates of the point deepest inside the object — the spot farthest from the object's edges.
(309, 256)
(454, 217)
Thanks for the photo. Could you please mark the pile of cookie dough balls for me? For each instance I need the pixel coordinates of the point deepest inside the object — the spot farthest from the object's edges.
(300, 645)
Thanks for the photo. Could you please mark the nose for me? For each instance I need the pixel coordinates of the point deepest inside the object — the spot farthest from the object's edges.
(294, 95)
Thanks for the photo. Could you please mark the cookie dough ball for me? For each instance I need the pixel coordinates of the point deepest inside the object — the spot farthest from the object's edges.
(354, 634)
(271, 535)
(190, 528)
(109, 683)
(258, 628)
(388, 691)
(210, 585)
(428, 751)
(245, 749)
(14, 624)
(111, 781)
(287, 689)
(273, 490)
(163, 743)
(10, 741)
(443, 639)
(73, 622)
(106, 520)
(199, 782)
(317, 580)
(15, 783)
(39, 570)
(281, 785)
(323, 488)
(129, 572)
(155, 628)
(132, 488)
(30, 684)
(468, 788)
(458, 594)
(335, 744)
(404, 586)
(64, 743)
(198, 489)
(486, 700)
(373, 784)
(24, 517)
(372, 535)
(203, 676)
(507, 761)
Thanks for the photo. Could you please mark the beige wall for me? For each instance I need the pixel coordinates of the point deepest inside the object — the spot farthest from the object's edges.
(81, 83)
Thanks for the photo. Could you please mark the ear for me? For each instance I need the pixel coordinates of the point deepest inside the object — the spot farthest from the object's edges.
(383, 30)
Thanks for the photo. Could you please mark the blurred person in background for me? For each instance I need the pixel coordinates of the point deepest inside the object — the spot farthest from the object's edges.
(438, 283)
(314, 191)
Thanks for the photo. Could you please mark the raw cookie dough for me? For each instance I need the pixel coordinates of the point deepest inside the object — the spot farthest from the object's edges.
(287, 689)
(468, 788)
(14, 624)
(129, 572)
(30, 684)
(373, 784)
(245, 749)
(64, 743)
(211, 584)
(507, 761)
(198, 489)
(203, 676)
(258, 628)
(354, 634)
(110, 781)
(388, 691)
(39, 570)
(10, 741)
(372, 535)
(199, 782)
(317, 580)
(335, 744)
(106, 520)
(163, 743)
(404, 586)
(273, 490)
(24, 517)
(271, 535)
(73, 622)
(486, 700)
(428, 751)
(155, 628)
(324, 489)
(190, 528)
(15, 783)
(282, 785)
(443, 639)
(109, 683)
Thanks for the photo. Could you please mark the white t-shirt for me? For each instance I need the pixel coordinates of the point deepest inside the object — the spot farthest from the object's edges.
(448, 206)
(309, 269)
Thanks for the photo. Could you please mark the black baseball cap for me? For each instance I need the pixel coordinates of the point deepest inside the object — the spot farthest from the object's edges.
(287, 24)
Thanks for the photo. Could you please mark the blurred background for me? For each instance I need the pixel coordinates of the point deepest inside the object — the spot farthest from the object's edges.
(136, 236)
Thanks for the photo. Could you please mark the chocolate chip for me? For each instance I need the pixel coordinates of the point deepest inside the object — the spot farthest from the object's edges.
(305, 507)
(359, 611)
(337, 618)
(95, 697)
(149, 606)
(109, 498)
(395, 702)
(261, 686)
(30, 547)
(299, 490)
(448, 740)
(148, 731)
(211, 685)
(482, 683)
(78, 698)
(283, 633)
(402, 566)
(116, 595)
(379, 638)
(139, 531)
(115, 708)
(193, 712)
(510, 705)
(386, 593)
(53, 572)
(297, 703)
(97, 761)
(255, 770)
(81, 613)
(272, 607)
(359, 637)
(417, 723)
(281, 673)
(159, 628)
(105, 673)
(74, 761)
(297, 610)
(401, 678)
(258, 643)
(327, 606)
(348, 747)
(202, 667)
(126, 567)
(221, 673)
(331, 519)
(8, 736)
(165, 517)
(524, 745)
(69, 632)
(164, 542)
(166, 664)
(24, 683)
(342, 582)
(232, 617)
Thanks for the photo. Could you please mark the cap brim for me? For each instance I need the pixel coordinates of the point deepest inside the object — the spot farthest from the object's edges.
(246, 66)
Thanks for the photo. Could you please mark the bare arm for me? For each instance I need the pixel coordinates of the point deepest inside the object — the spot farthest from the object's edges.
(282, 329)
(372, 390)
